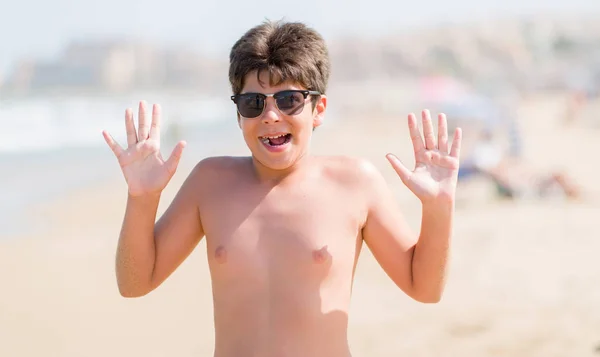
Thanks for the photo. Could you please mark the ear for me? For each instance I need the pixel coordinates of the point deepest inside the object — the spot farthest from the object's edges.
(239, 120)
(319, 112)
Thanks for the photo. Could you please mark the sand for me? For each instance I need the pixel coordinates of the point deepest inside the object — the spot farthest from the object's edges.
(525, 278)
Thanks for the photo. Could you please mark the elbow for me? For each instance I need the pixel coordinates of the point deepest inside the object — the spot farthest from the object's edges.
(422, 294)
(129, 291)
(130, 294)
(132, 285)
(428, 299)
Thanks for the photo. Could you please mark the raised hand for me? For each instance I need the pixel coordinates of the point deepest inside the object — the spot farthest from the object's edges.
(145, 171)
(436, 165)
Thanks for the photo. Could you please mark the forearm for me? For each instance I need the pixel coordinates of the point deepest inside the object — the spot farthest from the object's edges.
(431, 253)
(136, 248)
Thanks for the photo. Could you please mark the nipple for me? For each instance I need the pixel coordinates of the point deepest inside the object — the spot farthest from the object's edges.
(220, 254)
(320, 256)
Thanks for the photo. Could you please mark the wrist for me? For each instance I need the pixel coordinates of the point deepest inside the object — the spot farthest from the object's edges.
(440, 204)
(439, 211)
(436, 220)
(144, 197)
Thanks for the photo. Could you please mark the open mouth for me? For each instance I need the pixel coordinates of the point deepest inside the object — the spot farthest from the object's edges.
(277, 140)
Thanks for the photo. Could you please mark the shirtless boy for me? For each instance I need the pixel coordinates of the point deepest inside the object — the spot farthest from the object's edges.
(283, 228)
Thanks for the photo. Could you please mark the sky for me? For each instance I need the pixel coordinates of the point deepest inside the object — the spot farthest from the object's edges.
(41, 28)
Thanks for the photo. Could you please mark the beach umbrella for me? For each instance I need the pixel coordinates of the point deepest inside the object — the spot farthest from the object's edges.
(459, 101)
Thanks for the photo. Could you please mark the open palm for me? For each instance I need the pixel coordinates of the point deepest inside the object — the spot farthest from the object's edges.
(142, 164)
(436, 165)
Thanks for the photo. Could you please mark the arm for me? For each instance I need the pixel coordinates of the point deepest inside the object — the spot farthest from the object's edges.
(432, 252)
(418, 265)
(148, 253)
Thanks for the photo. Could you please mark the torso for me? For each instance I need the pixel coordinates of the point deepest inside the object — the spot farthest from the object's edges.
(282, 260)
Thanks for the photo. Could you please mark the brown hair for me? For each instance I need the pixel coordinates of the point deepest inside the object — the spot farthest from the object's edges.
(289, 51)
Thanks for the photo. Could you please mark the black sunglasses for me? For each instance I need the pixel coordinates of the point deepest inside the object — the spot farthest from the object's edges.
(289, 102)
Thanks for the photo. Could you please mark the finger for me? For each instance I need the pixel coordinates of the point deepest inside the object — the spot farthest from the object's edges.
(116, 148)
(142, 122)
(415, 135)
(132, 138)
(449, 162)
(428, 130)
(442, 134)
(155, 127)
(173, 160)
(456, 142)
(400, 169)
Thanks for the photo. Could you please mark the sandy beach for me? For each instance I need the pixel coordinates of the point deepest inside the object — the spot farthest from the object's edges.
(525, 278)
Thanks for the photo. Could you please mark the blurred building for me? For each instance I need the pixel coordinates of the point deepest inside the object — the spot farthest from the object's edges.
(538, 54)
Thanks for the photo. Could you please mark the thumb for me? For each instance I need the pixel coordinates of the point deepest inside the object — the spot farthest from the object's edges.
(116, 148)
(400, 169)
(173, 160)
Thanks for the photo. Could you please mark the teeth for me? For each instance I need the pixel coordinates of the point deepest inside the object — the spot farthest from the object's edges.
(265, 139)
(274, 137)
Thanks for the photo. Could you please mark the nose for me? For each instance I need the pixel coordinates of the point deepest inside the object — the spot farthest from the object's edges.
(271, 114)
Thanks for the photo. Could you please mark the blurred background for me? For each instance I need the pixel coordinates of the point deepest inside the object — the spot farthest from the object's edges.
(522, 78)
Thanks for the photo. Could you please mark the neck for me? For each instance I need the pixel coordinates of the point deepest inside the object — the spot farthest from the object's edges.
(269, 175)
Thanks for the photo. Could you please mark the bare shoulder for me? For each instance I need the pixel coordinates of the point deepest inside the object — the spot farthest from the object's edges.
(220, 164)
(352, 171)
(217, 166)
(357, 179)
(213, 172)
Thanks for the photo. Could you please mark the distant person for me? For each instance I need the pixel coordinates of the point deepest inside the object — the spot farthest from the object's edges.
(582, 90)
(284, 228)
(511, 175)
(576, 102)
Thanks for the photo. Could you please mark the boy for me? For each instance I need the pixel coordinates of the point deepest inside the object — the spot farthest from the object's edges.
(283, 228)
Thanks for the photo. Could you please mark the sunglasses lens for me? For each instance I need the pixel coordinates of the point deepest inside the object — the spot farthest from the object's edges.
(290, 103)
(250, 105)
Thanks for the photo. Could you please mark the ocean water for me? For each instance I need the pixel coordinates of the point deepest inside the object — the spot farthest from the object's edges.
(50, 146)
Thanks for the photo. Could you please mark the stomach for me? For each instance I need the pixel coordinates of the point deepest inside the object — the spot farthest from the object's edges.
(283, 315)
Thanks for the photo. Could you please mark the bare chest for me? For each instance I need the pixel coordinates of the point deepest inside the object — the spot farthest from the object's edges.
(299, 235)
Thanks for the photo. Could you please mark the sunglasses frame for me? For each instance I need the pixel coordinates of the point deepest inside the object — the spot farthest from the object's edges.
(305, 93)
